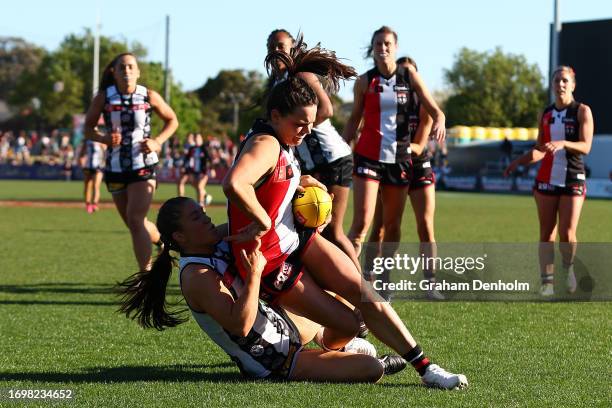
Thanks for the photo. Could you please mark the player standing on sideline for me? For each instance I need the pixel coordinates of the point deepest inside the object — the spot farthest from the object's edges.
(323, 154)
(91, 158)
(566, 134)
(132, 154)
(300, 264)
(382, 153)
(422, 189)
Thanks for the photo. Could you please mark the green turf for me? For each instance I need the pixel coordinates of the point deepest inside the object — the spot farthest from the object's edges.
(58, 328)
(38, 190)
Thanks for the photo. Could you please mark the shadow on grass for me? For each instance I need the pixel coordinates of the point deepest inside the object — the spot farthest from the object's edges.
(81, 288)
(75, 231)
(123, 374)
(175, 373)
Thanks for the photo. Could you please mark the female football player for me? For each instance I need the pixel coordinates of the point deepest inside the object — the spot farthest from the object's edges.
(382, 154)
(259, 337)
(323, 154)
(566, 134)
(300, 264)
(132, 154)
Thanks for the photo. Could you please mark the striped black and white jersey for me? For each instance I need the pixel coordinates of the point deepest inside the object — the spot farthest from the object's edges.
(94, 155)
(132, 114)
(197, 159)
(272, 343)
(322, 146)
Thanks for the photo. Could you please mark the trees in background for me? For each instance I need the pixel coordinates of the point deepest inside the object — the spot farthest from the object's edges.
(47, 88)
(494, 89)
(53, 86)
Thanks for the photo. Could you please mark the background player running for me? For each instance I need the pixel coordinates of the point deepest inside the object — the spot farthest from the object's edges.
(91, 158)
(132, 153)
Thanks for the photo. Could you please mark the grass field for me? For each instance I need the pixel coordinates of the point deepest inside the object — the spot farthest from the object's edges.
(59, 329)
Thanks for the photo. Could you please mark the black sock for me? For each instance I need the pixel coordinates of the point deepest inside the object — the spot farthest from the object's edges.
(417, 358)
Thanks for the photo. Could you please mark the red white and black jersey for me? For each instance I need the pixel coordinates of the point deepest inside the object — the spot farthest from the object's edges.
(197, 159)
(275, 193)
(387, 114)
(414, 120)
(132, 114)
(563, 167)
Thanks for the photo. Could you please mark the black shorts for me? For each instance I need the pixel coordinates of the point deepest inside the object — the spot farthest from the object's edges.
(286, 276)
(422, 175)
(189, 170)
(574, 189)
(395, 174)
(118, 182)
(337, 173)
(91, 172)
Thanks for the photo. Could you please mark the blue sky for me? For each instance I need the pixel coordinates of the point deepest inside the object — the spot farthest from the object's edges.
(209, 36)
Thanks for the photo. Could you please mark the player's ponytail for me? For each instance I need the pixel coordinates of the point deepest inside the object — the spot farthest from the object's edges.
(290, 91)
(144, 293)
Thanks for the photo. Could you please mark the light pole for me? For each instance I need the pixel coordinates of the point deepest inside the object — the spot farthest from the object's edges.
(555, 47)
(235, 98)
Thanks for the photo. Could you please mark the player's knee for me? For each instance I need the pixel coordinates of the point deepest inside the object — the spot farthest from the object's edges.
(567, 235)
(370, 370)
(135, 221)
(393, 230)
(547, 236)
(426, 232)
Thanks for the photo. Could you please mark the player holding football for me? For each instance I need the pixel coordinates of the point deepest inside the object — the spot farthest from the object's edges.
(300, 264)
(323, 154)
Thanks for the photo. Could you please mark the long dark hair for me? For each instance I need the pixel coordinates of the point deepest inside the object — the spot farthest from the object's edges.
(290, 91)
(107, 75)
(403, 60)
(144, 293)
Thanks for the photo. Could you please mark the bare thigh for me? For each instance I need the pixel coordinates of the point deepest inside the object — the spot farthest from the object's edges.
(423, 201)
(547, 215)
(570, 208)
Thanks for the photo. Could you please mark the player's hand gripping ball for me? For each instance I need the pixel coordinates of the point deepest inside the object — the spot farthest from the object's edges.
(312, 207)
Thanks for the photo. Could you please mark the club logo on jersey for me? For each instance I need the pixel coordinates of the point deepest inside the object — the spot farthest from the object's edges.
(285, 173)
(402, 98)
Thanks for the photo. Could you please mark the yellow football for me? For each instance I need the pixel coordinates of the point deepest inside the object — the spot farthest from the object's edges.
(312, 207)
